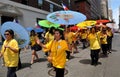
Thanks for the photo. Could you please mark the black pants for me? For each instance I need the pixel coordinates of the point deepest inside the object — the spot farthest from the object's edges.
(68, 54)
(84, 43)
(11, 72)
(94, 56)
(19, 63)
(104, 48)
(59, 72)
(109, 40)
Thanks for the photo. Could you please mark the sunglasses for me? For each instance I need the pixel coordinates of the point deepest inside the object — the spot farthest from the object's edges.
(6, 34)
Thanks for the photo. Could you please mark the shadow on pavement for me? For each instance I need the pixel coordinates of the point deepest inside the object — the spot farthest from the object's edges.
(88, 61)
(113, 50)
(85, 61)
(103, 56)
(41, 60)
(25, 65)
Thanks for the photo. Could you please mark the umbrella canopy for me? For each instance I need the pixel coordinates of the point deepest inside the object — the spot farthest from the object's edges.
(66, 17)
(102, 21)
(29, 28)
(21, 35)
(74, 28)
(86, 23)
(48, 24)
(36, 29)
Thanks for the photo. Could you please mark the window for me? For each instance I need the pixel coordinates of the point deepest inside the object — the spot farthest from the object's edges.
(51, 7)
(24, 2)
(40, 3)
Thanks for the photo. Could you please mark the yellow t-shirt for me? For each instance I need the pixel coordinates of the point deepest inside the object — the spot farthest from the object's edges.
(69, 37)
(10, 57)
(109, 33)
(58, 52)
(49, 37)
(103, 39)
(94, 41)
(33, 40)
(83, 35)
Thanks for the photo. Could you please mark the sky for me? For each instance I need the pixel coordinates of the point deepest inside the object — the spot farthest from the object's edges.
(115, 4)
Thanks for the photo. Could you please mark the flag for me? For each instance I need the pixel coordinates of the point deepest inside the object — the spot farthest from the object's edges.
(36, 25)
(15, 20)
(64, 7)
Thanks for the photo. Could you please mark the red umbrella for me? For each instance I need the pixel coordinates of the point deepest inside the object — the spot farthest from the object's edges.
(74, 28)
(102, 21)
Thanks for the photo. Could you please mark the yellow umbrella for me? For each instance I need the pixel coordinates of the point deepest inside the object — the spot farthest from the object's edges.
(86, 23)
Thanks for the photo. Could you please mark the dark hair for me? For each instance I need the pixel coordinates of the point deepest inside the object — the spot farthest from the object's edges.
(61, 33)
(32, 33)
(51, 30)
(11, 32)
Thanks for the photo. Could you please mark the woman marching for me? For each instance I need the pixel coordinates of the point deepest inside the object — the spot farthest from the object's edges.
(33, 41)
(94, 40)
(10, 53)
(57, 56)
(104, 43)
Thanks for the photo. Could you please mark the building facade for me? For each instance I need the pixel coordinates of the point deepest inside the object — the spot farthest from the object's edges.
(27, 12)
(110, 17)
(91, 8)
(104, 9)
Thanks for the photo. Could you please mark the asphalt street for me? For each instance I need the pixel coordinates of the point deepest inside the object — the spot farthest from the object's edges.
(78, 66)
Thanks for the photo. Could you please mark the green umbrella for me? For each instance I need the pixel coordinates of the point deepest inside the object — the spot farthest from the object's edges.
(47, 24)
(61, 29)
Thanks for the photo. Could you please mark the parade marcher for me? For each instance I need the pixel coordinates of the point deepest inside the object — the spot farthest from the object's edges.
(68, 35)
(83, 38)
(75, 42)
(94, 41)
(103, 41)
(57, 55)
(48, 37)
(10, 53)
(109, 39)
(33, 40)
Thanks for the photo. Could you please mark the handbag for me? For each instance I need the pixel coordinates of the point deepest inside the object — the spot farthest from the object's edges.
(37, 47)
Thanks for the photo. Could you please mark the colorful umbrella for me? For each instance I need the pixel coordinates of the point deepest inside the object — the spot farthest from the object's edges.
(74, 28)
(86, 23)
(102, 21)
(48, 24)
(66, 17)
(29, 28)
(36, 29)
(21, 35)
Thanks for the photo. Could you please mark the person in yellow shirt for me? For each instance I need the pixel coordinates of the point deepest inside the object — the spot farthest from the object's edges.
(83, 38)
(10, 53)
(93, 39)
(48, 37)
(57, 55)
(69, 38)
(109, 39)
(103, 41)
(34, 47)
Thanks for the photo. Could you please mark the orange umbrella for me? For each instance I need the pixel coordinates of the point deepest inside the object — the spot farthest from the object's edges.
(102, 21)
